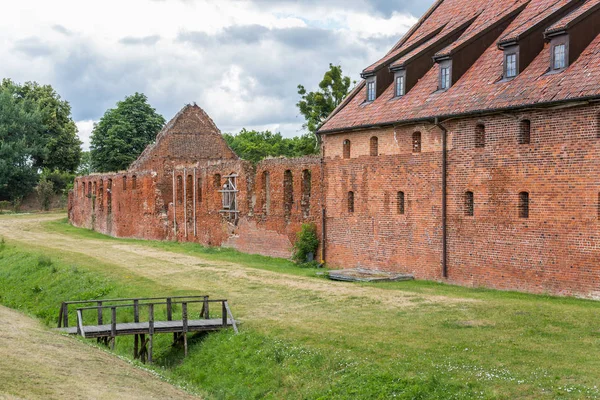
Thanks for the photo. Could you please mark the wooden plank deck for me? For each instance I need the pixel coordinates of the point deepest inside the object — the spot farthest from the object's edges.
(137, 328)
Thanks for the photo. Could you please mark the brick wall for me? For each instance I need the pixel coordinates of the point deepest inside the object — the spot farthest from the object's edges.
(555, 250)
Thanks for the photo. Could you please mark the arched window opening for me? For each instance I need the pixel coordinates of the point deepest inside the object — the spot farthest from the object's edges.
(134, 182)
(374, 146)
(525, 132)
(217, 181)
(266, 192)
(179, 189)
(416, 142)
(189, 187)
(124, 183)
(469, 204)
(523, 205)
(101, 193)
(109, 195)
(306, 192)
(83, 189)
(480, 136)
(94, 192)
(346, 148)
(199, 190)
(400, 201)
(350, 202)
(288, 193)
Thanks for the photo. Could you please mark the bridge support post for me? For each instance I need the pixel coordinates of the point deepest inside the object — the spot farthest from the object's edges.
(150, 330)
(184, 317)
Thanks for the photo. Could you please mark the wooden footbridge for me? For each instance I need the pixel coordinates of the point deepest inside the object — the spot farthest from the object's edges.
(137, 317)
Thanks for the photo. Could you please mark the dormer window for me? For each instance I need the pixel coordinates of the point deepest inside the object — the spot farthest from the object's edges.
(511, 65)
(444, 78)
(559, 54)
(371, 90)
(399, 85)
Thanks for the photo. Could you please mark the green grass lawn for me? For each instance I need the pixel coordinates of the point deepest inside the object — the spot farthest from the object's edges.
(328, 339)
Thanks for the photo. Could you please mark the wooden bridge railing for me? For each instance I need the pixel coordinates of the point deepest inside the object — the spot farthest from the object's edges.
(63, 314)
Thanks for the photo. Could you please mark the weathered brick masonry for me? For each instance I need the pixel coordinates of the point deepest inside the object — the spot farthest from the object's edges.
(504, 96)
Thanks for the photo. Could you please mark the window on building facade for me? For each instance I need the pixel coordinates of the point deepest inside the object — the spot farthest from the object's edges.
(469, 204)
(217, 181)
(445, 78)
(371, 90)
(560, 60)
(288, 193)
(416, 142)
(480, 136)
(525, 132)
(266, 192)
(189, 189)
(400, 200)
(109, 195)
(124, 183)
(346, 148)
(523, 205)
(374, 146)
(511, 65)
(83, 189)
(94, 192)
(350, 202)
(134, 182)
(399, 86)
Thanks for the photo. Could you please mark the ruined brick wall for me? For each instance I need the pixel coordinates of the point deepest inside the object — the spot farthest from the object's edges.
(555, 250)
(121, 205)
(267, 222)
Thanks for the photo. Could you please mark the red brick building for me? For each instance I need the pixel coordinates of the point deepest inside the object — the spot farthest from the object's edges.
(469, 153)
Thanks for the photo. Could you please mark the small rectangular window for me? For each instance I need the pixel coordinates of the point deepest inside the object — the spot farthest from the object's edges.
(523, 205)
(400, 200)
(445, 78)
(511, 65)
(371, 91)
(469, 204)
(559, 56)
(399, 86)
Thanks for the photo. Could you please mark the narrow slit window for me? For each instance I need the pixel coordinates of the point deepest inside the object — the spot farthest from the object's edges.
(416, 142)
(511, 65)
(306, 192)
(525, 132)
(134, 182)
(288, 193)
(266, 192)
(94, 192)
(399, 86)
(179, 189)
(189, 189)
(523, 205)
(374, 146)
(469, 204)
(401, 205)
(480, 136)
(109, 195)
(560, 61)
(124, 183)
(83, 189)
(199, 190)
(347, 148)
(350, 202)
(217, 181)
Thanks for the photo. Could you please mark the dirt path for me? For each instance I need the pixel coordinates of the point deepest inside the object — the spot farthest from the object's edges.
(36, 363)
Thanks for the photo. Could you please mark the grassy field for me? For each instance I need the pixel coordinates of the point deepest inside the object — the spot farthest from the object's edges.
(306, 337)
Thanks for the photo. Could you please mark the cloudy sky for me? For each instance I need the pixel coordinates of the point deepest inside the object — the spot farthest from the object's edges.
(241, 60)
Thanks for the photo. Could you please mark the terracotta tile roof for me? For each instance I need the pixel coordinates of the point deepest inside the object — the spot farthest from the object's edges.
(481, 87)
(534, 15)
(564, 23)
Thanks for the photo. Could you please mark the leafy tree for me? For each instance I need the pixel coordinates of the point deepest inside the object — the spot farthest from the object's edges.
(21, 144)
(63, 147)
(316, 106)
(85, 165)
(255, 146)
(123, 133)
(45, 191)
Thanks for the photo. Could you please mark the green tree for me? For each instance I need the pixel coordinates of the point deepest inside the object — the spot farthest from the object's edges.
(255, 146)
(123, 133)
(21, 143)
(63, 147)
(45, 191)
(316, 106)
(85, 165)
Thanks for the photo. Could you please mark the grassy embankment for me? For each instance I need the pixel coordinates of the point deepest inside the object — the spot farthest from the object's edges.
(321, 339)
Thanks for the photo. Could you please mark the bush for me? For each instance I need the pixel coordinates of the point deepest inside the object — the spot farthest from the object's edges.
(306, 242)
(62, 181)
(5, 205)
(44, 261)
(45, 191)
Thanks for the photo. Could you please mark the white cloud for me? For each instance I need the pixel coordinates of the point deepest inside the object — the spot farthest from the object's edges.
(85, 131)
(240, 60)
